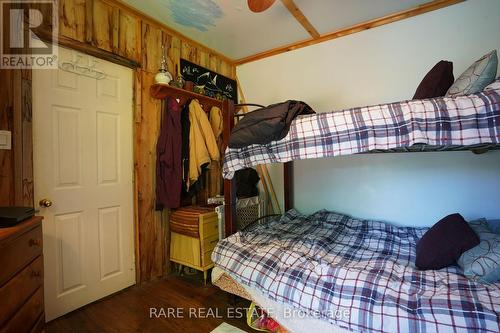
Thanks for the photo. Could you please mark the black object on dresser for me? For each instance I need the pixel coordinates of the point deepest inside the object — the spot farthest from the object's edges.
(10, 216)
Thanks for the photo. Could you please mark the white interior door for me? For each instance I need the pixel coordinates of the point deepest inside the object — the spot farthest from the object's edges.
(83, 163)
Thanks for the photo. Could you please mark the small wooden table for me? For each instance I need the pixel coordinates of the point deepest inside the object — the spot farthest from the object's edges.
(194, 247)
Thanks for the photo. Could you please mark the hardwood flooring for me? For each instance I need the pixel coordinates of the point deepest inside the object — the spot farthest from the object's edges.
(202, 307)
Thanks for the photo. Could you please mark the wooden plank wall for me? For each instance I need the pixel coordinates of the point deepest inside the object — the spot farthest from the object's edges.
(7, 192)
(16, 165)
(111, 27)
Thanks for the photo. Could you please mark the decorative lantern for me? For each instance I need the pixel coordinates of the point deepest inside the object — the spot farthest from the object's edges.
(163, 76)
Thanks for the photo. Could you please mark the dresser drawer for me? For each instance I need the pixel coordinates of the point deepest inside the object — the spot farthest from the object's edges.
(18, 252)
(209, 218)
(184, 249)
(209, 229)
(15, 292)
(26, 317)
(40, 324)
(209, 243)
(207, 258)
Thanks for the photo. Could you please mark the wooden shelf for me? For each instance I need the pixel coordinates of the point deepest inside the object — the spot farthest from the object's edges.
(161, 91)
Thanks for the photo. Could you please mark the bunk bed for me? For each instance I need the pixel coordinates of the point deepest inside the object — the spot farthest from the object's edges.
(324, 262)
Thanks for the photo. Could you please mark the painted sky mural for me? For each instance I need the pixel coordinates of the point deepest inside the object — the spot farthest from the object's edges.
(197, 14)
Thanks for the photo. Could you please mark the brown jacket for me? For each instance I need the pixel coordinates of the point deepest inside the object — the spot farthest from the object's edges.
(202, 143)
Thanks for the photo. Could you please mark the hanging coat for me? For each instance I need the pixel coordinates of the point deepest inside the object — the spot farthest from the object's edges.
(216, 121)
(215, 172)
(169, 157)
(202, 144)
(186, 125)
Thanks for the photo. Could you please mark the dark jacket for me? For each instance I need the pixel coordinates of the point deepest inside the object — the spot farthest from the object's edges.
(267, 124)
(246, 183)
(185, 124)
(168, 157)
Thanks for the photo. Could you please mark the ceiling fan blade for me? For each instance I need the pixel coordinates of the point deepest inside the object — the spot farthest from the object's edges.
(258, 6)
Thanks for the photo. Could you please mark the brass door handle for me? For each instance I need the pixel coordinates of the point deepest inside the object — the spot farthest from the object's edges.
(45, 203)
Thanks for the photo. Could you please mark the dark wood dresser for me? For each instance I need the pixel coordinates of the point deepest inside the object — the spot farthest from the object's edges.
(21, 277)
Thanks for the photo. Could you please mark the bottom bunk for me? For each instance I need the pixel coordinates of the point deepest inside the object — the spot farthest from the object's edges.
(352, 274)
(287, 316)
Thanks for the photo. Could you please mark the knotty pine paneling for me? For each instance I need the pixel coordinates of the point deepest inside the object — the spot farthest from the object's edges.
(114, 27)
(72, 19)
(152, 39)
(103, 25)
(24, 164)
(153, 231)
(153, 228)
(6, 123)
(189, 52)
(16, 165)
(129, 36)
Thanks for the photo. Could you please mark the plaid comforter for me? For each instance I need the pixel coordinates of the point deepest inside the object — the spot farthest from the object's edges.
(459, 121)
(357, 274)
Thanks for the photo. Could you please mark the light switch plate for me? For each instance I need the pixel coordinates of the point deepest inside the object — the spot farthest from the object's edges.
(5, 140)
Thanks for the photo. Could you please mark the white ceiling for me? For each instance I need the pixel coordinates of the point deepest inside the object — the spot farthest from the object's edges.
(229, 27)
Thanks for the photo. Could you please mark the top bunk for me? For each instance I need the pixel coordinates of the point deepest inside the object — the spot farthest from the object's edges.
(438, 124)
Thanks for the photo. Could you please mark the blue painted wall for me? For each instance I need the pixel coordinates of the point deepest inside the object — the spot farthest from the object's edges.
(411, 189)
(377, 66)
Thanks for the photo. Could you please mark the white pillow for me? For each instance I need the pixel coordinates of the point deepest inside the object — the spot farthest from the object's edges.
(480, 74)
(493, 86)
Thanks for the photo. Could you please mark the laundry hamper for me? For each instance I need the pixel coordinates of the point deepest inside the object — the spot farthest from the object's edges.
(247, 211)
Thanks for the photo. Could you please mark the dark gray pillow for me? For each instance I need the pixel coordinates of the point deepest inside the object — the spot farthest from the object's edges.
(445, 242)
(436, 82)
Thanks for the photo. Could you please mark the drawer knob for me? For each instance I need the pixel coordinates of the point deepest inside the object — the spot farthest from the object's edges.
(35, 242)
(36, 274)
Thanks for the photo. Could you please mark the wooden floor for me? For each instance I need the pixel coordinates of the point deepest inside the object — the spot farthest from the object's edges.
(129, 310)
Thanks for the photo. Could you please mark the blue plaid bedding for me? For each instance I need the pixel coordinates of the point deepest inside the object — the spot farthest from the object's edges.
(357, 274)
(437, 122)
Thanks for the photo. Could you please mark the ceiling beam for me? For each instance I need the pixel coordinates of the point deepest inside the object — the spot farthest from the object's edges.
(418, 10)
(300, 17)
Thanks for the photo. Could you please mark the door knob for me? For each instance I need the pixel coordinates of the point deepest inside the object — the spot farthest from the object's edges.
(45, 203)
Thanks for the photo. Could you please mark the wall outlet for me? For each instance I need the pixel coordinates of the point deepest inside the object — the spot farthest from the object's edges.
(5, 140)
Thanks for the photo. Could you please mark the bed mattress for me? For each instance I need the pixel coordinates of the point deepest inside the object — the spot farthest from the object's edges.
(225, 282)
(287, 316)
(328, 264)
